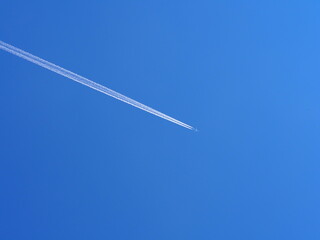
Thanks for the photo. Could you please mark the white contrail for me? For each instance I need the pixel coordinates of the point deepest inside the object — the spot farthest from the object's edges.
(54, 68)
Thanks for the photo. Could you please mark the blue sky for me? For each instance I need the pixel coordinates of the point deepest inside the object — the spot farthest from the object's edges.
(76, 164)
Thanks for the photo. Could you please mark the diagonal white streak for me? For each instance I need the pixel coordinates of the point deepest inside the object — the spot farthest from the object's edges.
(59, 70)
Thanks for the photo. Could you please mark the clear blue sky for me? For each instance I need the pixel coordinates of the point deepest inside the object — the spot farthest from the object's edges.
(76, 164)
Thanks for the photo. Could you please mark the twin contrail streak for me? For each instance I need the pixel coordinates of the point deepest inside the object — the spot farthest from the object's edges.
(54, 68)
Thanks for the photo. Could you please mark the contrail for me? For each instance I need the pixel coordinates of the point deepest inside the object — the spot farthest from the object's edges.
(54, 68)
